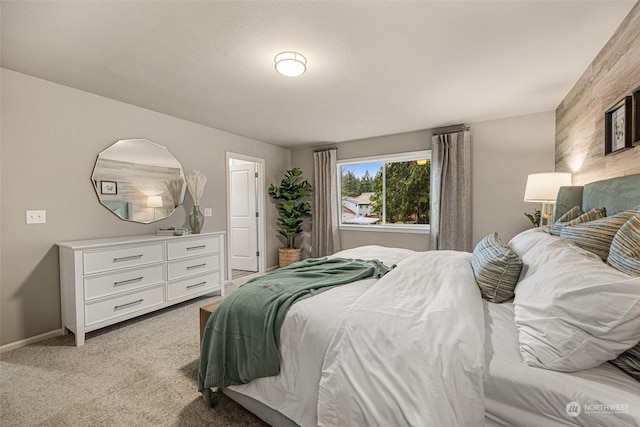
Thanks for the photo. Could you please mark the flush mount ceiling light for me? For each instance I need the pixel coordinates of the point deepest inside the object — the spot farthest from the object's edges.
(290, 64)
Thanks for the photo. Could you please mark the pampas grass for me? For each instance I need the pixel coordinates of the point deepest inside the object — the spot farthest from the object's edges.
(195, 184)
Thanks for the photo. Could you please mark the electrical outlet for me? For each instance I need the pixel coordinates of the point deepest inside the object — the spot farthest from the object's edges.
(36, 217)
(208, 212)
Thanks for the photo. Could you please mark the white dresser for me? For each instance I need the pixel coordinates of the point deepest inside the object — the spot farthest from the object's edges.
(106, 281)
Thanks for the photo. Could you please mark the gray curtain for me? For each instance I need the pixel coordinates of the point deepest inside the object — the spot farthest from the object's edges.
(451, 191)
(325, 236)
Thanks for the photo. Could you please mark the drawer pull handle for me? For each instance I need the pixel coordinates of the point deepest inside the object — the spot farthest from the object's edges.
(196, 285)
(191, 267)
(196, 247)
(129, 304)
(127, 258)
(126, 282)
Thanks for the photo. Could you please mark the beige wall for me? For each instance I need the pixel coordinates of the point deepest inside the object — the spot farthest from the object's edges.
(613, 74)
(503, 153)
(51, 135)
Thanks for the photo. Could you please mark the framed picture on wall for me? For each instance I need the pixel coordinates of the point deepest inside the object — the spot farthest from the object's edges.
(636, 116)
(617, 126)
(108, 187)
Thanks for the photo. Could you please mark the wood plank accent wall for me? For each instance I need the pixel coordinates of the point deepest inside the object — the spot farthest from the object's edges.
(136, 182)
(614, 73)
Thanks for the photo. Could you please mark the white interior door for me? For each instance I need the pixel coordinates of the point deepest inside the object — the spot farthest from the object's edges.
(243, 215)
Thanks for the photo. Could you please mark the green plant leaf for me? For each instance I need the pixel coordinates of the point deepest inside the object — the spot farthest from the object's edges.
(291, 209)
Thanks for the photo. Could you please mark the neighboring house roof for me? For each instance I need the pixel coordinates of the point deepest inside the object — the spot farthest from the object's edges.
(365, 198)
(355, 200)
(347, 208)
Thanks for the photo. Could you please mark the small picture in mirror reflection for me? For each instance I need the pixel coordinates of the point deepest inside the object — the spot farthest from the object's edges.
(108, 187)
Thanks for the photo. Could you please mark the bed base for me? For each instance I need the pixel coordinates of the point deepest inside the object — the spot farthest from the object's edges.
(276, 419)
(259, 409)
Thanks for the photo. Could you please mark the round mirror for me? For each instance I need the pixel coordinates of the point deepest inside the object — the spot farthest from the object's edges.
(139, 180)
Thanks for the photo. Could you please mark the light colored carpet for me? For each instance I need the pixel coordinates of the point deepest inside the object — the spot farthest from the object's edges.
(236, 274)
(142, 372)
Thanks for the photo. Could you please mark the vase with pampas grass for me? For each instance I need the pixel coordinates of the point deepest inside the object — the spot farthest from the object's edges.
(195, 184)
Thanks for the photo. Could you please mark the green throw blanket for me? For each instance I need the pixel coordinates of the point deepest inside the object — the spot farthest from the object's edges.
(242, 334)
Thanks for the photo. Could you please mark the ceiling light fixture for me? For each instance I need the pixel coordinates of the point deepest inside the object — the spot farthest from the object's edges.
(290, 64)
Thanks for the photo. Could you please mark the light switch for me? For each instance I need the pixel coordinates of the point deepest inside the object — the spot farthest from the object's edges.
(36, 217)
(208, 212)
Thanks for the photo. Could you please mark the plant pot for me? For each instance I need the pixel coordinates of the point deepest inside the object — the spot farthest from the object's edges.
(288, 256)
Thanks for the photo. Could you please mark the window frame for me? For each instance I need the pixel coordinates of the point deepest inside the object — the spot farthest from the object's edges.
(384, 158)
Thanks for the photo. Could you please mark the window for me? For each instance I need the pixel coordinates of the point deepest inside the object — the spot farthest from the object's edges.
(386, 193)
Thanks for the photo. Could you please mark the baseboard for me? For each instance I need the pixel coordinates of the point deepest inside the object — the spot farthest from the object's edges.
(25, 342)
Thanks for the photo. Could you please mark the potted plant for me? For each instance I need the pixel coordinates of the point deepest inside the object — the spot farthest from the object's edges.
(291, 211)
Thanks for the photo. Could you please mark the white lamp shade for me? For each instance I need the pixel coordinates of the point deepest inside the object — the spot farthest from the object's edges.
(154, 201)
(290, 64)
(543, 187)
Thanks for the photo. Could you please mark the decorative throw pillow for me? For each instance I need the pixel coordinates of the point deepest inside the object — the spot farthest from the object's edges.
(570, 215)
(629, 362)
(560, 305)
(625, 247)
(596, 236)
(496, 269)
(590, 215)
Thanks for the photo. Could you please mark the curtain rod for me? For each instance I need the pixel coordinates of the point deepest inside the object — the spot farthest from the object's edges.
(450, 130)
(317, 150)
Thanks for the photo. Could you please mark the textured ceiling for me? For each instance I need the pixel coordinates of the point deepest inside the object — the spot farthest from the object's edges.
(374, 67)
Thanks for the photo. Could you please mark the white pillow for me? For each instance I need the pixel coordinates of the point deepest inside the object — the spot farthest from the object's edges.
(572, 310)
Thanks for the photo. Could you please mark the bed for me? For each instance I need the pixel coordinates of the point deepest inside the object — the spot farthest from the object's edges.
(423, 345)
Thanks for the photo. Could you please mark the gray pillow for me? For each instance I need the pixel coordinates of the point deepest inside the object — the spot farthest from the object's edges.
(496, 269)
(629, 362)
(625, 247)
(591, 215)
(625, 256)
(596, 236)
(570, 215)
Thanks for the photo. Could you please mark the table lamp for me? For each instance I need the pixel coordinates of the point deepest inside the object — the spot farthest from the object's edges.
(154, 202)
(543, 188)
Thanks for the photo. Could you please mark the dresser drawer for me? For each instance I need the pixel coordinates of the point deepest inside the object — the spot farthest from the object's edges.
(193, 246)
(208, 282)
(121, 305)
(121, 257)
(122, 281)
(192, 266)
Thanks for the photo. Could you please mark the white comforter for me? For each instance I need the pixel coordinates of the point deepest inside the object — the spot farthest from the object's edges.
(407, 349)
